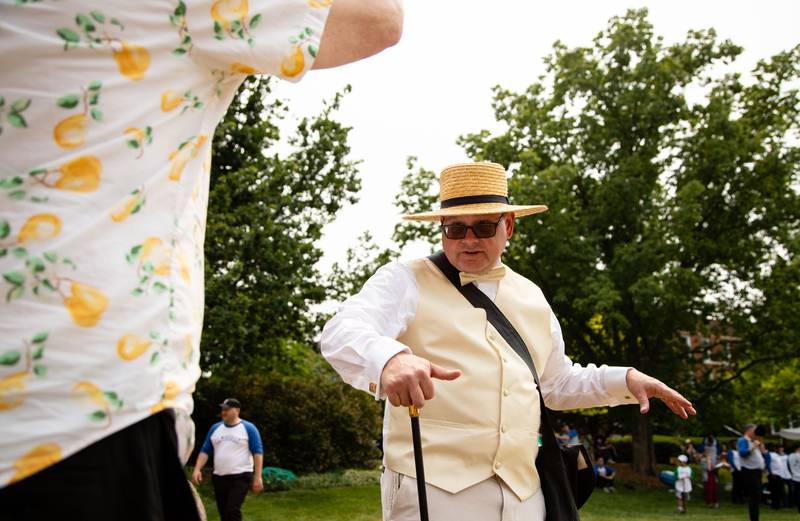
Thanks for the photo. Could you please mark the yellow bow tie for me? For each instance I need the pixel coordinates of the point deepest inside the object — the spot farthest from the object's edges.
(496, 273)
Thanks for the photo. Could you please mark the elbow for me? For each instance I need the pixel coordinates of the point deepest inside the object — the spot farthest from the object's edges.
(391, 23)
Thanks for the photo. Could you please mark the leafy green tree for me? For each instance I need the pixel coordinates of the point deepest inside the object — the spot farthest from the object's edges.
(666, 214)
(361, 262)
(265, 214)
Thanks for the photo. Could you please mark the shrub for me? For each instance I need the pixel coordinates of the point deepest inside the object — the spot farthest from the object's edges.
(309, 423)
(665, 447)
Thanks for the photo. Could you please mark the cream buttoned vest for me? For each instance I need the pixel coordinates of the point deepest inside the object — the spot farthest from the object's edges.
(486, 421)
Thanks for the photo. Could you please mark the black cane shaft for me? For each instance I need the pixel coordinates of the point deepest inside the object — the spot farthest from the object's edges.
(423, 497)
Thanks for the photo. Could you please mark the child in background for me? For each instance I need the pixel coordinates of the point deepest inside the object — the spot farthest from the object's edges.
(683, 482)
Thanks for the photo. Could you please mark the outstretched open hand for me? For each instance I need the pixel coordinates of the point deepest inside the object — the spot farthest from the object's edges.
(644, 387)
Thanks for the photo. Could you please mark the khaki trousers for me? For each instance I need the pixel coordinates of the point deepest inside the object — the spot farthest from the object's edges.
(489, 500)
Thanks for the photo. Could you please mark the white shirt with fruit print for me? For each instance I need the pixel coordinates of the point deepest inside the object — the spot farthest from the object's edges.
(107, 110)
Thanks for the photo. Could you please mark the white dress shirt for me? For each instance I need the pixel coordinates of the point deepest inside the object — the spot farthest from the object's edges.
(362, 337)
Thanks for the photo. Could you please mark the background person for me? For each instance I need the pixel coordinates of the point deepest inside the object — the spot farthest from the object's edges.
(605, 475)
(751, 455)
(779, 478)
(683, 483)
(238, 455)
(710, 453)
(794, 469)
(733, 459)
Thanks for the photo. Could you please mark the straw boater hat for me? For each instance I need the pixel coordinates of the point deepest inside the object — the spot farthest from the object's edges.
(474, 189)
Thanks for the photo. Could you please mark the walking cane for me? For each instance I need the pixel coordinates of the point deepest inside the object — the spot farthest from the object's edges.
(423, 498)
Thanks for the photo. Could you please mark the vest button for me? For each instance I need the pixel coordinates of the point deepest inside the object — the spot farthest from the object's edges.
(497, 465)
(503, 428)
(505, 392)
(505, 360)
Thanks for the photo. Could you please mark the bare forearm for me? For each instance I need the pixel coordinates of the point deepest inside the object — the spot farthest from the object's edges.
(202, 459)
(258, 464)
(356, 29)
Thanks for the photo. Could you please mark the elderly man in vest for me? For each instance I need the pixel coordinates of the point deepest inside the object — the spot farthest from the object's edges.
(410, 325)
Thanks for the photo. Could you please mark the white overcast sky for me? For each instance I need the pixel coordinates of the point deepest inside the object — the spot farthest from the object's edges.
(419, 96)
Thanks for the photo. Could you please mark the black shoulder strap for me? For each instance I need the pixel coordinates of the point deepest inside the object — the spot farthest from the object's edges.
(495, 317)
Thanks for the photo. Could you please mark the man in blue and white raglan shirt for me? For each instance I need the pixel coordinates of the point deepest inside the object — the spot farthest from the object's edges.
(238, 458)
(751, 456)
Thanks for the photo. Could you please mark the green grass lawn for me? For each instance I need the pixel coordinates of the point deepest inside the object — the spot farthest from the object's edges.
(362, 503)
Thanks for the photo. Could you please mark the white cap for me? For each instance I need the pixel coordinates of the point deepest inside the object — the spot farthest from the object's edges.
(683, 459)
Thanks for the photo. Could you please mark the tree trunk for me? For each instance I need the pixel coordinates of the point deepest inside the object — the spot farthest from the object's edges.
(644, 454)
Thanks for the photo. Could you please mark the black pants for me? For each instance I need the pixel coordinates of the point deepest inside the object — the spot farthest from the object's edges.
(751, 489)
(230, 492)
(796, 494)
(603, 482)
(134, 474)
(776, 491)
(736, 489)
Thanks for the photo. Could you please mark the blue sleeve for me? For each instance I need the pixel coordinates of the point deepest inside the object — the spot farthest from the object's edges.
(207, 447)
(743, 446)
(610, 470)
(253, 438)
(767, 462)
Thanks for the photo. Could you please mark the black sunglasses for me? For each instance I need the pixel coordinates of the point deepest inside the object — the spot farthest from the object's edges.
(482, 230)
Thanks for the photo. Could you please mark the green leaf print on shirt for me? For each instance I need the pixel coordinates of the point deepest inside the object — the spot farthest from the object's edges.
(12, 386)
(231, 20)
(13, 113)
(178, 19)
(70, 132)
(152, 259)
(107, 401)
(95, 31)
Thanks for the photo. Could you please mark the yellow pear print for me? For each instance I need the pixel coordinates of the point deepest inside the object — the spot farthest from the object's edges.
(132, 59)
(225, 12)
(92, 392)
(38, 458)
(171, 390)
(158, 254)
(136, 133)
(170, 100)
(82, 174)
(105, 400)
(319, 3)
(124, 210)
(86, 304)
(129, 206)
(70, 132)
(131, 346)
(294, 63)
(185, 270)
(241, 68)
(180, 158)
(138, 138)
(40, 227)
(12, 390)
